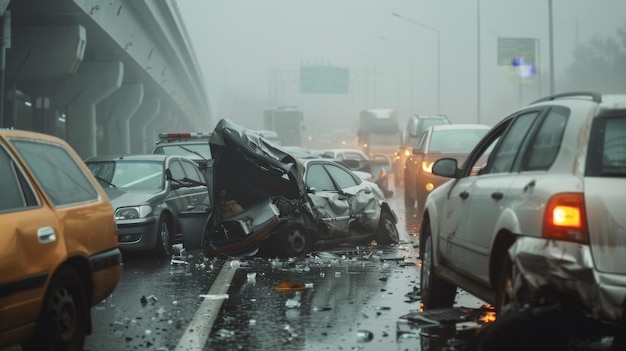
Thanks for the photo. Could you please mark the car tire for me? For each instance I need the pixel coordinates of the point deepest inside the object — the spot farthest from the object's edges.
(505, 297)
(64, 317)
(294, 240)
(387, 232)
(163, 246)
(436, 292)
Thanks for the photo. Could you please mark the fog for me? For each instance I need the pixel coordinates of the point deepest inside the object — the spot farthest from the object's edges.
(392, 59)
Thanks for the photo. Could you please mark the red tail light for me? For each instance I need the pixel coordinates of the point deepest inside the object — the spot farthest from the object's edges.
(565, 218)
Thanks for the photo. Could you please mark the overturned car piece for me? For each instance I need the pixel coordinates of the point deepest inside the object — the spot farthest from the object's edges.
(266, 201)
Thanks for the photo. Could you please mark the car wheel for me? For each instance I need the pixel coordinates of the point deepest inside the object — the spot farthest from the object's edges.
(505, 293)
(387, 232)
(436, 293)
(164, 238)
(294, 240)
(64, 317)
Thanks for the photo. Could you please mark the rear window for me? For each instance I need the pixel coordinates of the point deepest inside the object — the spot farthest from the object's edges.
(57, 172)
(429, 122)
(606, 154)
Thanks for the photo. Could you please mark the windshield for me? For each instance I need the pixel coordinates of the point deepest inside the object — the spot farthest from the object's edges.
(460, 141)
(129, 175)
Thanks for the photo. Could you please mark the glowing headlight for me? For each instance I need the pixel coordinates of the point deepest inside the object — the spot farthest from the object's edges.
(133, 212)
(427, 166)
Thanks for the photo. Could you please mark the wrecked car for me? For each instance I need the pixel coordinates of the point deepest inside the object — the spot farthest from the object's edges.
(268, 202)
(542, 222)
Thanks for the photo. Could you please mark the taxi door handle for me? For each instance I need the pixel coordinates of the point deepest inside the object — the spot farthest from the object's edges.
(46, 235)
(464, 195)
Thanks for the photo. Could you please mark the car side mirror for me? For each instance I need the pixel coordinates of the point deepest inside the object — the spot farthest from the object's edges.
(445, 167)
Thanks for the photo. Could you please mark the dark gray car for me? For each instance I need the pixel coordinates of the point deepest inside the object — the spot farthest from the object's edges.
(157, 199)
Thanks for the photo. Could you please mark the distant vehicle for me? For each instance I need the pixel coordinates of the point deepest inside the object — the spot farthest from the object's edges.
(414, 127)
(287, 122)
(378, 165)
(58, 244)
(540, 227)
(193, 145)
(273, 203)
(379, 132)
(444, 140)
(157, 198)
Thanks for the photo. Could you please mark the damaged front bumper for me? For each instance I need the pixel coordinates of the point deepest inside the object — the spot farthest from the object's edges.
(567, 268)
(242, 232)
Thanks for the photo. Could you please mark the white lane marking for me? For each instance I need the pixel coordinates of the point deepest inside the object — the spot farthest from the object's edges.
(198, 330)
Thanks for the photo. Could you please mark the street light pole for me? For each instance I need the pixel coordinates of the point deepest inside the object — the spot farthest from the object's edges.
(412, 75)
(478, 112)
(438, 56)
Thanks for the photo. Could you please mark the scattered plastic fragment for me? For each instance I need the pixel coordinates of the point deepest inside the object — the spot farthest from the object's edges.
(415, 295)
(293, 302)
(224, 333)
(321, 308)
(144, 300)
(364, 336)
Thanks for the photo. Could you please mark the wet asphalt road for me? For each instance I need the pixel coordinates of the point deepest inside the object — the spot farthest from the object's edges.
(349, 298)
(346, 298)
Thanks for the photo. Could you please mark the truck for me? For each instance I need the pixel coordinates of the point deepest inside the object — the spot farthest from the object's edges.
(287, 122)
(379, 132)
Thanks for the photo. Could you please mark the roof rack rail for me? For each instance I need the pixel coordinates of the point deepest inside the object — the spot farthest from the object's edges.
(595, 97)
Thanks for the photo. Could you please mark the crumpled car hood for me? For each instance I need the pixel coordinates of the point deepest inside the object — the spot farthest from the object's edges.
(230, 135)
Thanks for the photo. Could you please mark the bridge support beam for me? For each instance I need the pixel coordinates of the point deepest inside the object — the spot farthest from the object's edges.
(145, 116)
(94, 82)
(114, 114)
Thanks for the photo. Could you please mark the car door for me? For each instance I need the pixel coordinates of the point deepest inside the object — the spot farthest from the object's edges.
(27, 244)
(489, 194)
(194, 206)
(456, 206)
(329, 202)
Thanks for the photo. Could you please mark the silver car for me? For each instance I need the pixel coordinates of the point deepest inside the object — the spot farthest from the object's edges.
(269, 202)
(542, 223)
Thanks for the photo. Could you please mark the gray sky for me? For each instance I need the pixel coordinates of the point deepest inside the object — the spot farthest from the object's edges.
(238, 42)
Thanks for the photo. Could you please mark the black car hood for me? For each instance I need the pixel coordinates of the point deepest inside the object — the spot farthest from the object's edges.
(230, 142)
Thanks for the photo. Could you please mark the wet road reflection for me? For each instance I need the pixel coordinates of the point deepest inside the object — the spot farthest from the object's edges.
(362, 297)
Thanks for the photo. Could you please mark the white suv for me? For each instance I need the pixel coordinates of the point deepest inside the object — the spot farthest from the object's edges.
(543, 221)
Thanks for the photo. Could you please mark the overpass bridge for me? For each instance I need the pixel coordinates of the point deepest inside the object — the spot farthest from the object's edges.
(105, 75)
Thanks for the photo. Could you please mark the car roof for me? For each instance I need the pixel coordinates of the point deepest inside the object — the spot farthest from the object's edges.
(430, 117)
(460, 126)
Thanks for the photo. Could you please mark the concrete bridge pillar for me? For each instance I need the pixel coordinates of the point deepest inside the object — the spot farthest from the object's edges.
(145, 116)
(93, 82)
(114, 115)
(41, 56)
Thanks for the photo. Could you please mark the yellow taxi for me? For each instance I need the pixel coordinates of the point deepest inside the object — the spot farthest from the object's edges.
(58, 243)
